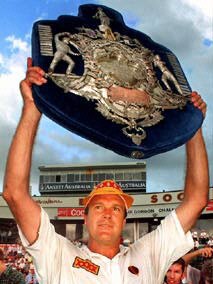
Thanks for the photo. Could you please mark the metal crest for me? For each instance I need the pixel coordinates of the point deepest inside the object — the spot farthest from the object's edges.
(119, 75)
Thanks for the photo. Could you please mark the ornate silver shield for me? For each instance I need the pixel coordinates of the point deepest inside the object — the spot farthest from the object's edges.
(119, 75)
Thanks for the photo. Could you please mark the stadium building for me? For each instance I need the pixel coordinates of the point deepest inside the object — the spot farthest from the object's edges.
(62, 188)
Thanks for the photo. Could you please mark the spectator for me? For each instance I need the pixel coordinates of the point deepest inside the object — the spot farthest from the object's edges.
(207, 272)
(210, 242)
(175, 273)
(8, 275)
(31, 277)
(192, 274)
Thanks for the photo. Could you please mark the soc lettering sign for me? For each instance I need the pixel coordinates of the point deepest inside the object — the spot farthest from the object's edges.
(71, 212)
(167, 197)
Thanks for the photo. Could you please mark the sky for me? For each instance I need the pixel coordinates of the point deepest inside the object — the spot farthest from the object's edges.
(184, 26)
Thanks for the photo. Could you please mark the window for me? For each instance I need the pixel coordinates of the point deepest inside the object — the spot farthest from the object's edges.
(119, 176)
(51, 178)
(58, 178)
(88, 177)
(95, 177)
(85, 177)
(76, 177)
(70, 178)
(128, 176)
(63, 178)
(46, 179)
(102, 176)
(137, 176)
(143, 175)
(109, 176)
(41, 179)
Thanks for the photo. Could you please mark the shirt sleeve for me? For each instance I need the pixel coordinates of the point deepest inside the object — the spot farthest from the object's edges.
(164, 245)
(45, 251)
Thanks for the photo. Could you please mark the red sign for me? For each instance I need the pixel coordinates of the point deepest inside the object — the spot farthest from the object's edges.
(210, 206)
(71, 212)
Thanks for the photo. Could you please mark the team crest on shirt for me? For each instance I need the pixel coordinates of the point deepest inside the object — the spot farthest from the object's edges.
(133, 270)
(86, 264)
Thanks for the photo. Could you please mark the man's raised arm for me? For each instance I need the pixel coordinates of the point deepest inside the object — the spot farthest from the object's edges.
(196, 191)
(204, 252)
(17, 175)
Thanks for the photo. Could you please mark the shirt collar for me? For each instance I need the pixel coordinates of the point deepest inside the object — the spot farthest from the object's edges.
(123, 250)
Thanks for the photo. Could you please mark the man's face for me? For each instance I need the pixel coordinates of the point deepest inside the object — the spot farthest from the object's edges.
(105, 219)
(32, 270)
(175, 274)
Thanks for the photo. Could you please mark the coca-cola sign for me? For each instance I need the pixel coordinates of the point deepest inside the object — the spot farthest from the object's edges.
(71, 212)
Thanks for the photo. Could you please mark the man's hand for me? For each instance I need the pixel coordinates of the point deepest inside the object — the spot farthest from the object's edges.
(198, 102)
(34, 75)
(206, 252)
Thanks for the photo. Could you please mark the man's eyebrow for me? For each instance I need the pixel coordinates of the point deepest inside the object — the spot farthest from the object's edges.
(119, 205)
(102, 203)
(97, 203)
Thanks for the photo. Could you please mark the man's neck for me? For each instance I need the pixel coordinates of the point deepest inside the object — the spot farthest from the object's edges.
(106, 250)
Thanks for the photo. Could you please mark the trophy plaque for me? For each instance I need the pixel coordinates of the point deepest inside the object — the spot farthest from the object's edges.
(111, 84)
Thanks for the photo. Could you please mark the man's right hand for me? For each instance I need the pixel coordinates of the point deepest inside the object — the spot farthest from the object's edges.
(34, 75)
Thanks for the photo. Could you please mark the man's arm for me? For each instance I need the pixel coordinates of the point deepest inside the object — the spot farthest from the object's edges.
(205, 252)
(17, 175)
(196, 191)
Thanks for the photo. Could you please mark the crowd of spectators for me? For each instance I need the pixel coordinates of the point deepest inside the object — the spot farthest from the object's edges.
(182, 271)
(19, 260)
(16, 257)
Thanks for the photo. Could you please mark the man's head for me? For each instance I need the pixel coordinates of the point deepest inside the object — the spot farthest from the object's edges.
(32, 269)
(108, 187)
(175, 273)
(66, 40)
(207, 271)
(105, 213)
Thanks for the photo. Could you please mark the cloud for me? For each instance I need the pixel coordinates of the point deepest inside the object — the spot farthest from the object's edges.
(12, 71)
(17, 43)
(201, 13)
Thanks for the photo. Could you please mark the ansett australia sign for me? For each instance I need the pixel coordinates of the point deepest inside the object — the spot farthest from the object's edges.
(129, 186)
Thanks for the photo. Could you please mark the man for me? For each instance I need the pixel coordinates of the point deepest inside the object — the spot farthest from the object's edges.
(175, 273)
(31, 277)
(192, 274)
(207, 272)
(102, 260)
(181, 272)
(8, 275)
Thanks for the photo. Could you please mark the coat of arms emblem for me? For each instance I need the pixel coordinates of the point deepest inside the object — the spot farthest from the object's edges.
(129, 83)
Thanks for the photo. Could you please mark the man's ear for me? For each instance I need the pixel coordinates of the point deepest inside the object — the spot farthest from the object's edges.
(183, 276)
